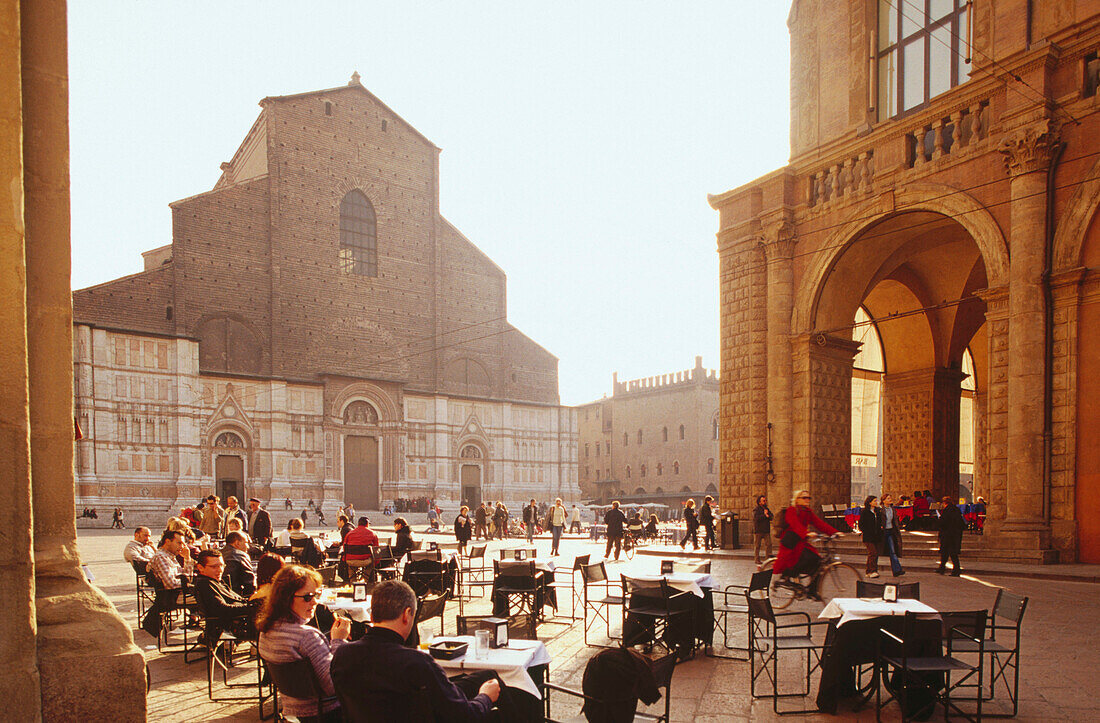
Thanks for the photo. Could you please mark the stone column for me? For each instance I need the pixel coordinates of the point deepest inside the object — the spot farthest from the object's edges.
(743, 384)
(778, 249)
(921, 432)
(20, 685)
(88, 665)
(821, 405)
(1027, 156)
(993, 431)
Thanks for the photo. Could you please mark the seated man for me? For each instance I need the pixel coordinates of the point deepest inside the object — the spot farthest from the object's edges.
(165, 567)
(138, 551)
(361, 535)
(239, 572)
(379, 679)
(223, 608)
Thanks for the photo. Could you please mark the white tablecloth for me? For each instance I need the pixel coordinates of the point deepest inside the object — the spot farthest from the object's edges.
(357, 611)
(510, 663)
(693, 581)
(851, 608)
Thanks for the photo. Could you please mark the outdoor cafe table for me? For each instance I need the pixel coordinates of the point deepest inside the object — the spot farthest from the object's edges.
(512, 664)
(357, 611)
(851, 640)
(545, 595)
(699, 584)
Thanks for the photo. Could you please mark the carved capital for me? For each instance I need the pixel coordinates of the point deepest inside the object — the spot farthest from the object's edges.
(1028, 149)
(778, 238)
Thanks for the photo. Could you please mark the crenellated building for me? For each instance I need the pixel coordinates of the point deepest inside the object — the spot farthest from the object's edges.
(315, 330)
(653, 440)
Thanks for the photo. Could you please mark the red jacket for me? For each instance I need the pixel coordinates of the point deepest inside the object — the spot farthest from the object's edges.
(798, 520)
(360, 536)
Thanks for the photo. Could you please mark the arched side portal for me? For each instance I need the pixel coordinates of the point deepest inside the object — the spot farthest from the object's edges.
(909, 271)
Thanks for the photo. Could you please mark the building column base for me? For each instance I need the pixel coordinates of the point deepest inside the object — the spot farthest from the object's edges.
(88, 665)
(1026, 540)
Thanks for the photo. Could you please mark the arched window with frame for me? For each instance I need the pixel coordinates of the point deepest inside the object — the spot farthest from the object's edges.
(664, 434)
(681, 431)
(358, 235)
(710, 466)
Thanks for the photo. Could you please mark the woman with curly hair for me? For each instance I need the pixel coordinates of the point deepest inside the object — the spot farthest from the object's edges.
(286, 636)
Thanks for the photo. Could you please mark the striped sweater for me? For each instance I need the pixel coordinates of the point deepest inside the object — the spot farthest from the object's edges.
(290, 640)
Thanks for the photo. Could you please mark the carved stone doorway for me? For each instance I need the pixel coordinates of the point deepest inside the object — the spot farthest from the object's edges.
(361, 472)
(229, 476)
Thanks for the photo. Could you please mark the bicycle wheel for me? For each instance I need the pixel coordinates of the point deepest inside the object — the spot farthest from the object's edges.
(628, 547)
(782, 591)
(839, 581)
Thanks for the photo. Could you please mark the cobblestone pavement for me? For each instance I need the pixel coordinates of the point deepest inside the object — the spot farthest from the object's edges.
(1060, 660)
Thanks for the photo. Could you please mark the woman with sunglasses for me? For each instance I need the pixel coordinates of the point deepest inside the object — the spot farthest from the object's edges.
(796, 555)
(286, 636)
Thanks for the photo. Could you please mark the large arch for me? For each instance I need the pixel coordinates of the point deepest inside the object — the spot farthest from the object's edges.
(1071, 229)
(933, 198)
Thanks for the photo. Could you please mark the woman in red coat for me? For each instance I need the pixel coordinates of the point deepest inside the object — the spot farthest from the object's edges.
(796, 555)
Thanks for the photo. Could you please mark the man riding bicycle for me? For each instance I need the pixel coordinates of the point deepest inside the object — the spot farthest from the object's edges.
(796, 555)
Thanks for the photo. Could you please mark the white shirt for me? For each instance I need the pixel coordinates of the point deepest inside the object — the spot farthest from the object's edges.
(136, 551)
(576, 515)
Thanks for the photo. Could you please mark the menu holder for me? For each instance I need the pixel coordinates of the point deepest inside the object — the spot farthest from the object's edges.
(520, 555)
(890, 593)
(667, 567)
(359, 592)
(498, 627)
(433, 545)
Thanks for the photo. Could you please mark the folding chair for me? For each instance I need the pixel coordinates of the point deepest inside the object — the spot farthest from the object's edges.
(146, 594)
(176, 606)
(779, 635)
(599, 596)
(731, 601)
(425, 575)
(574, 592)
(385, 564)
(431, 606)
(930, 673)
(520, 627)
(906, 590)
(296, 679)
(221, 647)
(656, 607)
(662, 668)
(519, 582)
(1003, 654)
(696, 566)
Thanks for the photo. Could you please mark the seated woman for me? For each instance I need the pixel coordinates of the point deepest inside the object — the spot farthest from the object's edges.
(651, 527)
(294, 530)
(285, 637)
(404, 540)
(266, 568)
(635, 526)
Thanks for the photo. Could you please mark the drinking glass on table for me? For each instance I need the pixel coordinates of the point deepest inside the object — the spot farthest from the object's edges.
(481, 644)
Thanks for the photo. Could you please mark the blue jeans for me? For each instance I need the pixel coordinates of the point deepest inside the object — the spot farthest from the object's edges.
(895, 563)
(556, 531)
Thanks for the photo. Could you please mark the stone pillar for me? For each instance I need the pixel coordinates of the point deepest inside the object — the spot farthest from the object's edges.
(103, 676)
(743, 384)
(20, 685)
(1027, 156)
(821, 403)
(993, 431)
(778, 248)
(921, 432)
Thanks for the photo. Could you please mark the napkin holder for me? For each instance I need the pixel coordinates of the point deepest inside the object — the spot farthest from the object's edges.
(667, 566)
(890, 593)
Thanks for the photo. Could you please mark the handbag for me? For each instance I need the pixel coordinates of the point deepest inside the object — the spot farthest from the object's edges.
(790, 539)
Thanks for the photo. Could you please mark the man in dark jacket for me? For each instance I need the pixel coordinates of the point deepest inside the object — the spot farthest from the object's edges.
(952, 525)
(239, 572)
(761, 528)
(481, 517)
(530, 519)
(706, 518)
(222, 608)
(379, 679)
(614, 519)
(259, 523)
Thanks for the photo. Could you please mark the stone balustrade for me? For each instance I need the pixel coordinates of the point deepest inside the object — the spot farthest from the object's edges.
(956, 134)
(842, 180)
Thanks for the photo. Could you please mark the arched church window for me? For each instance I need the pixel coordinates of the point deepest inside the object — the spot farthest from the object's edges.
(360, 412)
(470, 452)
(358, 235)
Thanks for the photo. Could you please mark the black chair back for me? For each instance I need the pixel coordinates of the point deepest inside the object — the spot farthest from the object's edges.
(759, 584)
(477, 552)
(760, 607)
(425, 555)
(906, 590)
(503, 568)
(970, 623)
(594, 573)
(580, 561)
(1009, 606)
(296, 679)
(358, 550)
(699, 567)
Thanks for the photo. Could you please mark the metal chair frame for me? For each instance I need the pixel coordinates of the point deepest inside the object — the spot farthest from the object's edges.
(1002, 655)
(661, 610)
(731, 601)
(763, 619)
(595, 576)
(663, 668)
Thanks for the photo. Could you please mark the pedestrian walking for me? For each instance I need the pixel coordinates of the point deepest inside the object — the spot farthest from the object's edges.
(530, 519)
(481, 517)
(706, 519)
(952, 525)
(870, 525)
(691, 521)
(891, 534)
(614, 519)
(464, 528)
(556, 516)
(575, 521)
(761, 528)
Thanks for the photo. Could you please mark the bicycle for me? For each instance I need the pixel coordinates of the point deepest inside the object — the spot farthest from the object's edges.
(833, 578)
(631, 540)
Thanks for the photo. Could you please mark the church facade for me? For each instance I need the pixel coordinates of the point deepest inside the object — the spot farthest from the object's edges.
(315, 330)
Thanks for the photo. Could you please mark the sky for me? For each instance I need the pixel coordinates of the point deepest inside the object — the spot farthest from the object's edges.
(580, 141)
